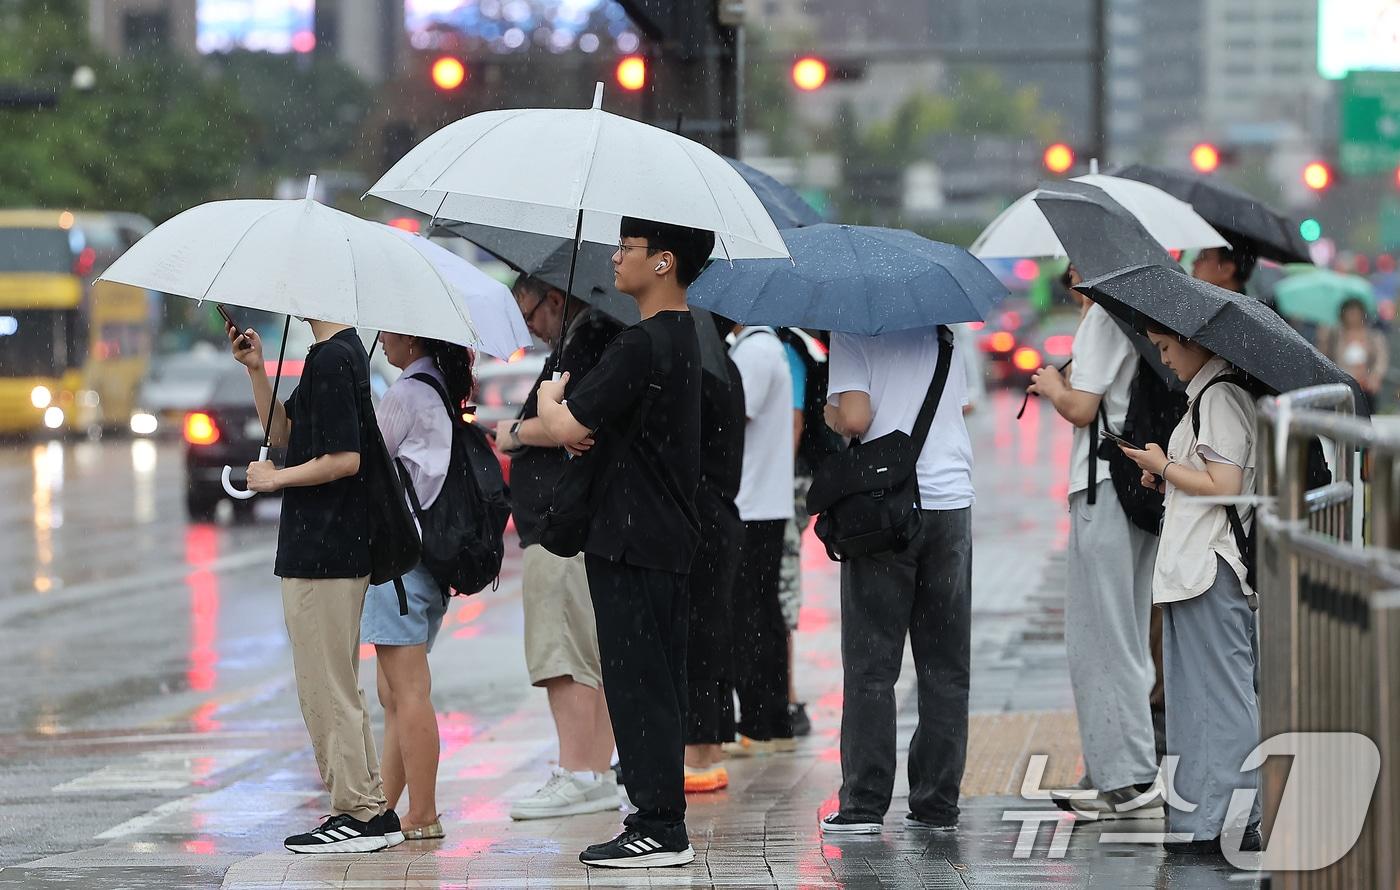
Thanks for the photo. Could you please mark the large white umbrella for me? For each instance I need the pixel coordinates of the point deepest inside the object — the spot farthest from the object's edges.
(1023, 231)
(301, 258)
(574, 173)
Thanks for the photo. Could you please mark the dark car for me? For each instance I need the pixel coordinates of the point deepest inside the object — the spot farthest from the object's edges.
(1048, 342)
(226, 430)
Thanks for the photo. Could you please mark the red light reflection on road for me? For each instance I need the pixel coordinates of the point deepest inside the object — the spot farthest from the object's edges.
(201, 548)
(201, 847)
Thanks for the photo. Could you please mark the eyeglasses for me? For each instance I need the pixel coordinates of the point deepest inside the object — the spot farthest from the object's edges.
(530, 316)
(626, 247)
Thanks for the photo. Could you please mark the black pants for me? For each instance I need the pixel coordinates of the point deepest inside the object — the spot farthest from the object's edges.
(924, 593)
(710, 660)
(760, 634)
(641, 615)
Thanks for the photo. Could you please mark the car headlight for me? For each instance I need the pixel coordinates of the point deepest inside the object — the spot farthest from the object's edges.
(53, 417)
(40, 397)
(143, 424)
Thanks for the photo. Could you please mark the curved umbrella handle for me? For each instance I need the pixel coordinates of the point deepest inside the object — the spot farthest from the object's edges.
(232, 492)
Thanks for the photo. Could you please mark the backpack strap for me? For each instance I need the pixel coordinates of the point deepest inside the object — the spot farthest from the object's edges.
(924, 421)
(1231, 512)
(1094, 452)
(439, 388)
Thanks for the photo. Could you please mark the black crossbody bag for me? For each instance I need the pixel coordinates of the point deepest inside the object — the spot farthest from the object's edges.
(564, 529)
(868, 495)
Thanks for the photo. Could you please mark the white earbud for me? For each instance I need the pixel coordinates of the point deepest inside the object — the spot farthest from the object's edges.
(661, 265)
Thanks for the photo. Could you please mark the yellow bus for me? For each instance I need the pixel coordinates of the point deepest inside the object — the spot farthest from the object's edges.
(72, 353)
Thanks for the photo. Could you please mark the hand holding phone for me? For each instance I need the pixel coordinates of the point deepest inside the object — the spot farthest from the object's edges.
(232, 325)
(1118, 440)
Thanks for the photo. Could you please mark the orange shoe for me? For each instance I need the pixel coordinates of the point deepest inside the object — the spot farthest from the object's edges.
(700, 781)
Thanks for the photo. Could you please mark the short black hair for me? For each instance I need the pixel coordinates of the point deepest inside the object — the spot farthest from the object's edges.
(538, 288)
(1244, 259)
(692, 247)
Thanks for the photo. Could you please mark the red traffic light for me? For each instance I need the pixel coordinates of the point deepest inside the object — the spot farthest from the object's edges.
(809, 73)
(1317, 176)
(1205, 158)
(1059, 158)
(449, 73)
(632, 73)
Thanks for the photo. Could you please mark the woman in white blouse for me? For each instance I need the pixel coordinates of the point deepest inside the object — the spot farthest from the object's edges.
(417, 429)
(1209, 640)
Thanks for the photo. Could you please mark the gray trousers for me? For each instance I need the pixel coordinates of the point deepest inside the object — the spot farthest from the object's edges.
(1108, 619)
(1210, 648)
(924, 593)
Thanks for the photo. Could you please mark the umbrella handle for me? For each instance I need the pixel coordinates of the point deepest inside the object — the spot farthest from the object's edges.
(228, 485)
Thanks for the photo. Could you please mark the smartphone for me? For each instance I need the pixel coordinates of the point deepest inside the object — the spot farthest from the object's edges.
(228, 320)
(1118, 440)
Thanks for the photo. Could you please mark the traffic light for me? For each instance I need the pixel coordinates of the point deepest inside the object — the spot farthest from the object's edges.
(1317, 176)
(1058, 158)
(1397, 177)
(448, 73)
(632, 73)
(1205, 158)
(1310, 229)
(809, 73)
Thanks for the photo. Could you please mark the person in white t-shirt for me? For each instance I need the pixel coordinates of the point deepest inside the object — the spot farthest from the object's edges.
(1108, 606)
(765, 506)
(877, 385)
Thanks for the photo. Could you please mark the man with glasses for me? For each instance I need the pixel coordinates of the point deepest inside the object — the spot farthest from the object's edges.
(561, 639)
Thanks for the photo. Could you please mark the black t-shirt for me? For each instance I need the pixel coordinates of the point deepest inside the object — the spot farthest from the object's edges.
(533, 471)
(646, 518)
(324, 530)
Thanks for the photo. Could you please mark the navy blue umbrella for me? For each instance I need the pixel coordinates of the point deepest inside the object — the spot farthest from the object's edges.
(855, 279)
(787, 207)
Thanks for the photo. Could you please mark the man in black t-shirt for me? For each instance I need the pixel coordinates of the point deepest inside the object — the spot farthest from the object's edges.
(644, 529)
(324, 563)
(561, 637)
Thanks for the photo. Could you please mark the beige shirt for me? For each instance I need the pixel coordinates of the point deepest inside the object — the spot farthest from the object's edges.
(1195, 531)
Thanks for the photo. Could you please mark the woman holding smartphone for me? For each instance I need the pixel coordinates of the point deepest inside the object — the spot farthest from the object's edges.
(1209, 642)
(417, 430)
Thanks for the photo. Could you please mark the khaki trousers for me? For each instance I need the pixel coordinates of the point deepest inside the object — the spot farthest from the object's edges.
(323, 622)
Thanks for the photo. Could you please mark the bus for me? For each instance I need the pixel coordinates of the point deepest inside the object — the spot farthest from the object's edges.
(73, 352)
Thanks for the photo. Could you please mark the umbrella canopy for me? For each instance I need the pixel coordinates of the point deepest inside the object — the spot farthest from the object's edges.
(1244, 220)
(301, 258)
(499, 325)
(1318, 295)
(1101, 236)
(574, 173)
(1023, 231)
(787, 208)
(1236, 327)
(856, 279)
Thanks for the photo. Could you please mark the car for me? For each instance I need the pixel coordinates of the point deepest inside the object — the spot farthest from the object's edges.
(1001, 335)
(176, 383)
(501, 389)
(1048, 342)
(224, 430)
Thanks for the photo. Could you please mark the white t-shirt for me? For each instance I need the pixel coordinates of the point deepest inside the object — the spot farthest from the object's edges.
(765, 490)
(895, 370)
(1104, 363)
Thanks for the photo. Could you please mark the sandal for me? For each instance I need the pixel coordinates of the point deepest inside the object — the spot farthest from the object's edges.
(430, 832)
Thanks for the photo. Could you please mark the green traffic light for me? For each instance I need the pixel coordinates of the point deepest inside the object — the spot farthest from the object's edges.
(1310, 229)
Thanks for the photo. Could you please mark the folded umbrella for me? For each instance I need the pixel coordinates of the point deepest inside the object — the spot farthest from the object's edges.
(1318, 295)
(1244, 220)
(855, 279)
(300, 258)
(1101, 236)
(1022, 230)
(1236, 327)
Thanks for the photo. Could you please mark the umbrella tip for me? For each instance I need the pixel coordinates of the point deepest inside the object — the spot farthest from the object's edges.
(1094, 166)
(311, 187)
(598, 95)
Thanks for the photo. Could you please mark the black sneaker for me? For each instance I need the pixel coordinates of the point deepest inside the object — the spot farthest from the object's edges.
(801, 723)
(388, 822)
(1252, 842)
(340, 834)
(919, 824)
(840, 823)
(640, 849)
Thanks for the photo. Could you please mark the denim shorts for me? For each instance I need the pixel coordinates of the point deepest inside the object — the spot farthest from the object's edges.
(382, 624)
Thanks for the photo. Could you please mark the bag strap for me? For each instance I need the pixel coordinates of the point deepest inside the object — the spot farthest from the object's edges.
(660, 372)
(924, 421)
(441, 390)
(1231, 512)
(1094, 452)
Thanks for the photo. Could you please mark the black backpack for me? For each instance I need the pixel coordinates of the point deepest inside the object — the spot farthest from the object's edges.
(394, 546)
(868, 495)
(1154, 410)
(818, 441)
(1317, 472)
(464, 529)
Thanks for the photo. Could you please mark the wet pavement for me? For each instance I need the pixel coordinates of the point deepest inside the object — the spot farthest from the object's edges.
(150, 735)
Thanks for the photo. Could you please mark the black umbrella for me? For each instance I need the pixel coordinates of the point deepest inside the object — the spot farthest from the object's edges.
(1244, 220)
(1102, 236)
(1236, 327)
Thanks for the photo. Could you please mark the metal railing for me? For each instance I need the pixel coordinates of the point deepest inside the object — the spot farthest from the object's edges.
(1329, 613)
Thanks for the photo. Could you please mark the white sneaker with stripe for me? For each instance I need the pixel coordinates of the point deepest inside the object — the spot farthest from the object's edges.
(340, 834)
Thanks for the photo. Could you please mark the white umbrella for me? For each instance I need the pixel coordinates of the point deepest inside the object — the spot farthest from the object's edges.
(493, 311)
(301, 258)
(573, 174)
(1023, 231)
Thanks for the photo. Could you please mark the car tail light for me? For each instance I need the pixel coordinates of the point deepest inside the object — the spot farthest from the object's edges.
(200, 429)
(1011, 319)
(1001, 341)
(83, 263)
(976, 325)
(1026, 359)
(1059, 345)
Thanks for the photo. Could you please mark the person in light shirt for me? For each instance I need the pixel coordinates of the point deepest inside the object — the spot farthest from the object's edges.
(1209, 639)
